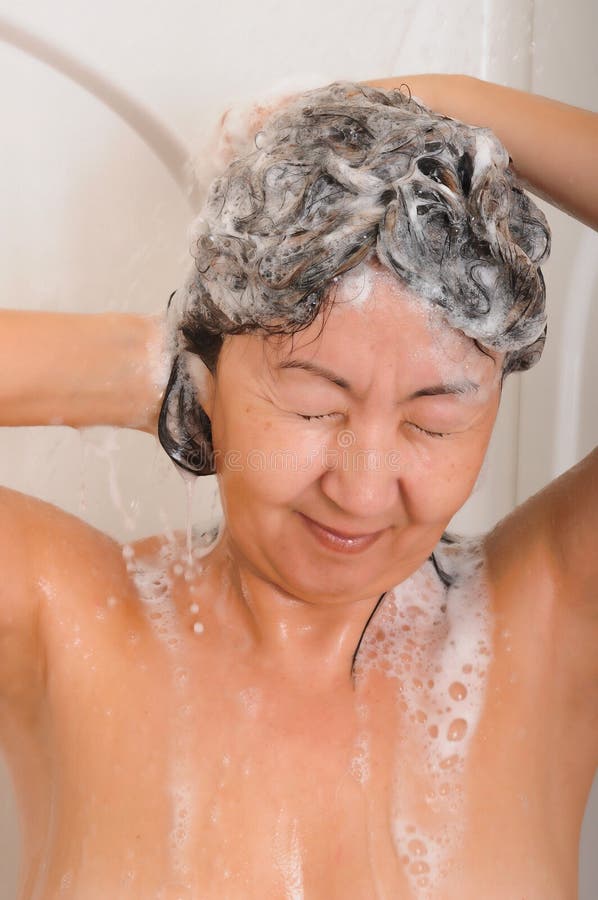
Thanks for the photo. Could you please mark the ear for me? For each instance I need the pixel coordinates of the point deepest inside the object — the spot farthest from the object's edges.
(204, 380)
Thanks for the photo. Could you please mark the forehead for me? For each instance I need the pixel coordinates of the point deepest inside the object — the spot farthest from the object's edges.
(374, 321)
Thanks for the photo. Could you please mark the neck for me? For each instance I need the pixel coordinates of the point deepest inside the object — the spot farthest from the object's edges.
(285, 634)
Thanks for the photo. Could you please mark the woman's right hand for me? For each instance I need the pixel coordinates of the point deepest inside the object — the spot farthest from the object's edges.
(238, 125)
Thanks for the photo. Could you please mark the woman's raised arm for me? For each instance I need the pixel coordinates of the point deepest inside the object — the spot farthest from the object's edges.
(76, 369)
(554, 147)
(80, 369)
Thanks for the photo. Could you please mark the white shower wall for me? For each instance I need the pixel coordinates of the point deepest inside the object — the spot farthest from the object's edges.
(93, 220)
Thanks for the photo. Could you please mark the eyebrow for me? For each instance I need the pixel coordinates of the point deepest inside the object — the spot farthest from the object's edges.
(458, 387)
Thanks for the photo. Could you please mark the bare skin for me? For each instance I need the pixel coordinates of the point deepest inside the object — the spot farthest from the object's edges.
(258, 716)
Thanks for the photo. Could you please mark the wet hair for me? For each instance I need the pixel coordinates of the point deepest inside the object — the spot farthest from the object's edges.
(341, 174)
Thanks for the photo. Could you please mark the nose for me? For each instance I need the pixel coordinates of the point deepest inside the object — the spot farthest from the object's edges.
(362, 472)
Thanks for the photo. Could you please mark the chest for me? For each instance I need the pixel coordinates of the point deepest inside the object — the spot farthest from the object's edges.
(170, 757)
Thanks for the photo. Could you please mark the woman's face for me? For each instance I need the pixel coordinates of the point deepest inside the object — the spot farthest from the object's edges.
(374, 420)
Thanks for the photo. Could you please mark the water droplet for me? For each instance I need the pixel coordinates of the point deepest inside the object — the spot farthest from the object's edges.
(458, 691)
(457, 730)
(417, 847)
(194, 608)
(433, 731)
(414, 611)
(467, 668)
(449, 761)
(197, 627)
(419, 868)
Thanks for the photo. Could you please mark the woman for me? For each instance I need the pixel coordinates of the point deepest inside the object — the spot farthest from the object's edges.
(335, 698)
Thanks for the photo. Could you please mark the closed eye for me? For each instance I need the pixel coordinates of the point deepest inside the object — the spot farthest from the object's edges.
(439, 434)
(322, 416)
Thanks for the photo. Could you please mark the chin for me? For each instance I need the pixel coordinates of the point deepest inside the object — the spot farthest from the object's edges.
(344, 582)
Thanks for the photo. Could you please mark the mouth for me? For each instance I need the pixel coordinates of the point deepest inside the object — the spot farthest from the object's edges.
(338, 540)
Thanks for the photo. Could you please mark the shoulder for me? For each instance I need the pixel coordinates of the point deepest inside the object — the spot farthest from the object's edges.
(36, 538)
(42, 549)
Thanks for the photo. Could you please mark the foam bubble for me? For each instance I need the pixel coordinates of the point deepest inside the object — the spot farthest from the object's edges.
(360, 762)
(440, 665)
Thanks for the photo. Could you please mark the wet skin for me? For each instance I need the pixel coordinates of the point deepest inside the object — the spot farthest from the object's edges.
(108, 703)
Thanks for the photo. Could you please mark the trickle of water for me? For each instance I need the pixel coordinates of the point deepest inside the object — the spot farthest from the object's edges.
(107, 449)
(190, 483)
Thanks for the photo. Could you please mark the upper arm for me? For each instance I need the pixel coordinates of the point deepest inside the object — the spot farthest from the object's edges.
(558, 528)
(21, 656)
(544, 554)
(571, 503)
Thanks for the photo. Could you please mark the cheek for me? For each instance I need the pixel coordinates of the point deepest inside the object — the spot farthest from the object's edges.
(437, 480)
(263, 458)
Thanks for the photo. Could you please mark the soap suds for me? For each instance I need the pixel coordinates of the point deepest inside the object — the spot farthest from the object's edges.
(154, 583)
(338, 174)
(436, 644)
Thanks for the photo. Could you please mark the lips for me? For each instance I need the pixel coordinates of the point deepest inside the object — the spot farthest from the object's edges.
(338, 540)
